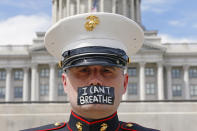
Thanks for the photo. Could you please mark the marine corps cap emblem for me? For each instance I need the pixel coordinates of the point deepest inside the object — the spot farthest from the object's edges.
(60, 64)
(91, 24)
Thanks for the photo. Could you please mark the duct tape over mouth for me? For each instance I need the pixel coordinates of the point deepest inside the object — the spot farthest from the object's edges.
(95, 94)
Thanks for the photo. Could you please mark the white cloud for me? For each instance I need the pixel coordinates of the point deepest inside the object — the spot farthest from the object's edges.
(195, 26)
(27, 4)
(156, 6)
(21, 29)
(154, 1)
(159, 10)
(170, 39)
(176, 23)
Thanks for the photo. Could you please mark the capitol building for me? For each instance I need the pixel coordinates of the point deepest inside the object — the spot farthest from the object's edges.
(159, 71)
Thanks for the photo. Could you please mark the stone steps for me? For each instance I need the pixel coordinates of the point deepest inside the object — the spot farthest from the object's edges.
(124, 107)
(170, 116)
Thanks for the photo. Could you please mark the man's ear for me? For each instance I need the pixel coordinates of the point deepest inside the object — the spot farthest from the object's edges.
(64, 82)
(126, 79)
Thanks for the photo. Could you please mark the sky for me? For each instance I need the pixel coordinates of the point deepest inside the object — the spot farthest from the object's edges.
(175, 20)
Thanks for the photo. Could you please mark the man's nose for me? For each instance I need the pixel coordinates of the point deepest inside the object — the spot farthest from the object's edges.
(95, 78)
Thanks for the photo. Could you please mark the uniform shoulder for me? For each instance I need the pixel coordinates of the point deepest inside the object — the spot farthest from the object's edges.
(134, 127)
(50, 127)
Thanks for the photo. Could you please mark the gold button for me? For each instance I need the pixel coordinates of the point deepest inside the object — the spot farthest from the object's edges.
(57, 124)
(129, 125)
(79, 126)
(103, 127)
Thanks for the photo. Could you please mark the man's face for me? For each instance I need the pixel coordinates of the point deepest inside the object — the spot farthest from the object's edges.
(83, 76)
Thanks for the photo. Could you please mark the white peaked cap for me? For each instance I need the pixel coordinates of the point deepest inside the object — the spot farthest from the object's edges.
(113, 30)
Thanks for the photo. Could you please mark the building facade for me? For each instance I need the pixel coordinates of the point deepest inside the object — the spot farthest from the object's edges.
(159, 71)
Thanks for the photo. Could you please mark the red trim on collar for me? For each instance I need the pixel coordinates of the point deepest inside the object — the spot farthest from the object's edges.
(90, 123)
(69, 128)
(118, 127)
(126, 128)
(53, 128)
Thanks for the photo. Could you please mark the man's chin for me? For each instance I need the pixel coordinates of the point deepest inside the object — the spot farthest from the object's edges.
(94, 111)
(97, 107)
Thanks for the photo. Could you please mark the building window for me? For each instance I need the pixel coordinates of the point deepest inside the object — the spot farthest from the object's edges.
(60, 71)
(44, 72)
(2, 92)
(18, 75)
(176, 73)
(193, 73)
(150, 88)
(193, 90)
(177, 90)
(2, 75)
(149, 71)
(44, 90)
(132, 88)
(18, 92)
(61, 90)
(132, 71)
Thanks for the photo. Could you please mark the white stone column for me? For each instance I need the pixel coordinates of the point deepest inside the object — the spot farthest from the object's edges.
(9, 89)
(102, 5)
(52, 89)
(186, 82)
(160, 81)
(114, 6)
(25, 84)
(132, 9)
(169, 82)
(72, 9)
(89, 5)
(34, 83)
(54, 11)
(68, 8)
(124, 4)
(64, 8)
(139, 16)
(142, 81)
(78, 6)
(60, 9)
(82, 8)
(138, 11)
(57, 10)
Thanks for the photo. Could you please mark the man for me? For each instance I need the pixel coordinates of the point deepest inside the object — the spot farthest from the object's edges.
(94, 51)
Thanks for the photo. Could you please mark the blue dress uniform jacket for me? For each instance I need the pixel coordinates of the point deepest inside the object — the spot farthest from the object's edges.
(78, 123)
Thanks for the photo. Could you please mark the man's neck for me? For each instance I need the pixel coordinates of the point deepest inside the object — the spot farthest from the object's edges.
(92, 114)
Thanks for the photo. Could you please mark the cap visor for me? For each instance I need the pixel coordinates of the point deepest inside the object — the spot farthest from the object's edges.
(94, 61)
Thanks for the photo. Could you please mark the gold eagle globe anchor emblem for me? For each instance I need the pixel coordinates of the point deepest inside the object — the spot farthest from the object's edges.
(91, 24)
(79, 126)
(103, 127)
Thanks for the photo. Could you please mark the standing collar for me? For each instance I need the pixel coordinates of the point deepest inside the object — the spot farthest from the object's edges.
(110, 123)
